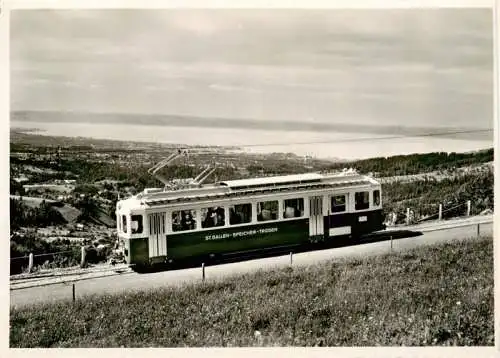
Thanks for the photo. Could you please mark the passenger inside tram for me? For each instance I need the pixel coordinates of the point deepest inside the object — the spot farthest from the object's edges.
(212, 217)
(219, 217)
(176, 222)
(235, 217)
(187, 221)
(209, 219)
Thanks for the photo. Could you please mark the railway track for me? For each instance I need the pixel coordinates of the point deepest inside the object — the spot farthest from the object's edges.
(47, 279)
(396, 233)
(127, 282)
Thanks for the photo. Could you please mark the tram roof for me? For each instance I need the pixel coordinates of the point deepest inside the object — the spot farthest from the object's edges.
(275, 180)
(265, 185)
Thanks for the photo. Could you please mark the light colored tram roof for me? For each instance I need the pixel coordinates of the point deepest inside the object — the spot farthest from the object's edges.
(276, 180)
(245, 187)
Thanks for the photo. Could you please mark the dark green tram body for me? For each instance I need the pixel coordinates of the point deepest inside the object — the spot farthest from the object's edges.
(291, 233)
(324, 213)
(252, 237)
(184, 246)
(374, 222)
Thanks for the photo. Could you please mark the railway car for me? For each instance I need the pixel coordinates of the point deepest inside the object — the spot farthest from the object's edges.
(237, 216)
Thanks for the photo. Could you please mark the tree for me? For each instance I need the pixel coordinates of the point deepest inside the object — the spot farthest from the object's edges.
(16, 188)
(41, 216)
(17, 213)
(89, 209)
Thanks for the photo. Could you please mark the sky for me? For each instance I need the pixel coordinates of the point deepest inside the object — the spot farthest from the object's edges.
(425, 67)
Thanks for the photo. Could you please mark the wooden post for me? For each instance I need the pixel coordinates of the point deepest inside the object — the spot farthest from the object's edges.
(478, 230)
(440, 216)
(291, 257)
(30, 263)
(203, 271)
(74, 293)
(407, 216)
(391, 242)
(468, 207)
(82, 263)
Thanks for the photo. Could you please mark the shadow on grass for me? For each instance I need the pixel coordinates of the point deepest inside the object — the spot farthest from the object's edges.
(278, 251)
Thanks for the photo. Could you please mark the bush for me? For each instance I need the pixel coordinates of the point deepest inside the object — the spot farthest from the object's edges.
(424, 196)
(41, 216)
(21, 247)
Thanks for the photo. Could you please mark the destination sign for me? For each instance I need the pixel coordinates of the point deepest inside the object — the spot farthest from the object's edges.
(239, 234)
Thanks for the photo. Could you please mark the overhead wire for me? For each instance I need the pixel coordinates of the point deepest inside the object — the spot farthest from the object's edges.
(342, 140)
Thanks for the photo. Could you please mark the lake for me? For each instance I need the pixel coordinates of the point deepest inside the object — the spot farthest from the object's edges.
(327, 144)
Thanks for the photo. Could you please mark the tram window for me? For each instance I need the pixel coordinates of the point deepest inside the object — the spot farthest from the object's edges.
(267, 210)
(362, 200)
(212, 217)
(338, 203)
(183, 220)
(124, 223)
(293, 208)
(240, 214)
(376, 197)
(136, 223)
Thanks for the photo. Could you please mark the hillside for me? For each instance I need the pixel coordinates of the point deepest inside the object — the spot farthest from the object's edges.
(68, 212)
(440, 295)
(95, 173)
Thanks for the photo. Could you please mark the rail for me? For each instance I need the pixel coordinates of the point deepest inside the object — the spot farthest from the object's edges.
(29, 269)
(410, 214)
(63, 278)
(443, 211)
(44, 254)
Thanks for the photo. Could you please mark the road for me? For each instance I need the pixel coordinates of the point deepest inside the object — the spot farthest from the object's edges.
(131, 281)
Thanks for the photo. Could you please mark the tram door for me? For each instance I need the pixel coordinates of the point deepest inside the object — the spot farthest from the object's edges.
(157, 235)
(316, 227)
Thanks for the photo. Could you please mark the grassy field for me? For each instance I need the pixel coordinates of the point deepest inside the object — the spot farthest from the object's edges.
(439, 295)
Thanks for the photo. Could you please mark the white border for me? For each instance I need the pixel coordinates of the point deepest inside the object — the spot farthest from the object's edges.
(275, 352)
(496, 141)
(290, 4)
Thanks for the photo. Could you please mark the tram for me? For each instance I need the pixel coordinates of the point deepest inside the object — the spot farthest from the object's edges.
(165, 225)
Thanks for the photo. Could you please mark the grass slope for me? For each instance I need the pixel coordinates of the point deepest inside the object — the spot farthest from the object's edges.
(439, 295)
